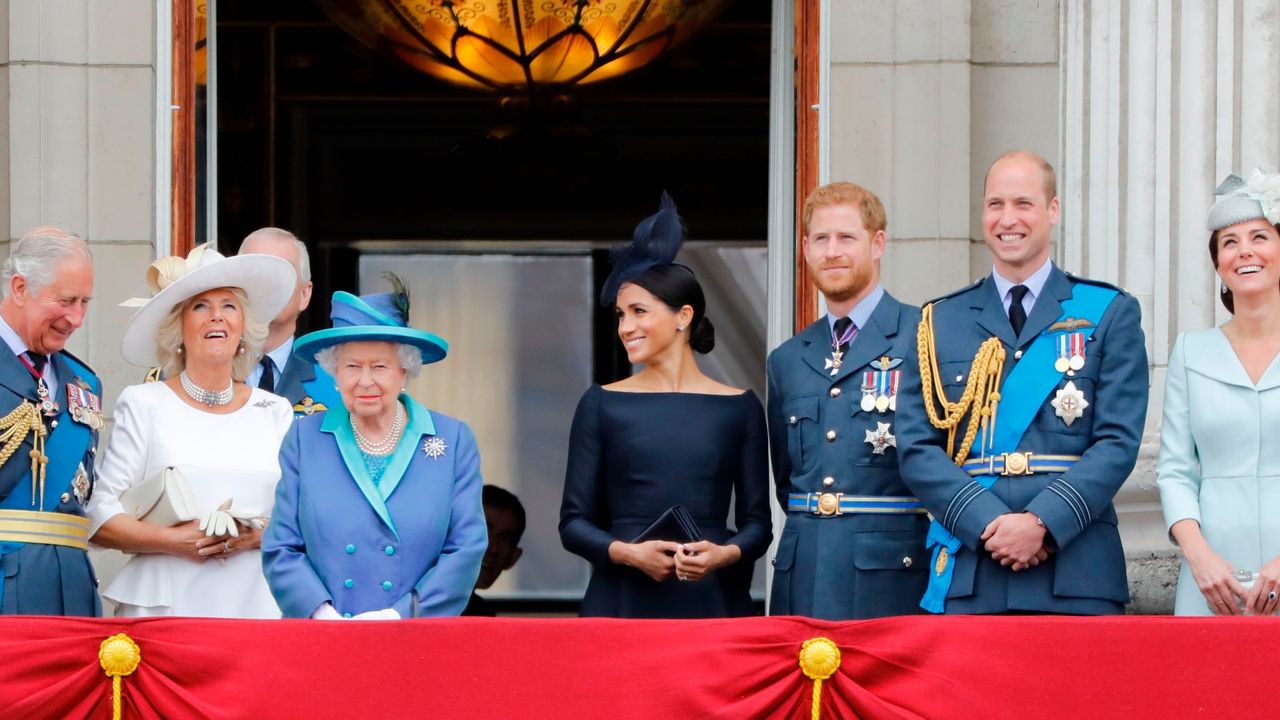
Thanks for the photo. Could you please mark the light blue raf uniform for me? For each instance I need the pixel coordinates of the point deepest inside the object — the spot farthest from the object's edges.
(43, 531)
(853, 544)
(306, 386)
(1068, 422)
(406, 534)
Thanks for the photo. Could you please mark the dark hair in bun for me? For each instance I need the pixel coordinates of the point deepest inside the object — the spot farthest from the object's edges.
(677, 286)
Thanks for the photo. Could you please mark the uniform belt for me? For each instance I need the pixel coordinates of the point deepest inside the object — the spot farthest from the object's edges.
(1019, 463)
(44, 528)
(833, 504)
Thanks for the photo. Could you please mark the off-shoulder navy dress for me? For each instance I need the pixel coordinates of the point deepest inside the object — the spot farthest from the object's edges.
(632, 456)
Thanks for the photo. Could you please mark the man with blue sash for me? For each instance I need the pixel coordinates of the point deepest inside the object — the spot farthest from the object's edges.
(50, 416)
(1021, 417)
(853, 544)
(307, 387)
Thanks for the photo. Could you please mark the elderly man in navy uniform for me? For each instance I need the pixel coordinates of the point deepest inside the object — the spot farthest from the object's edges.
(1021, 418)
(853, 544)
(51, 413)
(307, 387)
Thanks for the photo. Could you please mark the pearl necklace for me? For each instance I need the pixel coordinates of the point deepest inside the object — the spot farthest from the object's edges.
(388, 443)
(208, 397)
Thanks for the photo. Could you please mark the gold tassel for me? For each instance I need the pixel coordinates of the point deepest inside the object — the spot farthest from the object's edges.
(119, 656)
(819, 660)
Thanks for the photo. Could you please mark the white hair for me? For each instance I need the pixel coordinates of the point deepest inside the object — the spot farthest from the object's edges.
(36, 255)
(274, 233)
(410, 359)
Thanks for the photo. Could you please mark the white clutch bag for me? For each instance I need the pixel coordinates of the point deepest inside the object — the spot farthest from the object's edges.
(162, 499)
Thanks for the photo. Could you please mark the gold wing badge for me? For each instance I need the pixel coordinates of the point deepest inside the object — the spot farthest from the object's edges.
(309, 406)
(981, 396)
(1069, 324)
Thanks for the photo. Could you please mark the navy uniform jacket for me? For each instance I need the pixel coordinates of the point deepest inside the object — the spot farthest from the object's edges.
(48, 579)
(847, 566)
(1085, 572)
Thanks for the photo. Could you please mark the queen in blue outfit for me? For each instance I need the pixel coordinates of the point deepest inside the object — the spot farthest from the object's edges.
(378, 513)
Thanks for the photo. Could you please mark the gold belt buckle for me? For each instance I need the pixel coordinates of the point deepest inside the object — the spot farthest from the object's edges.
(1017, 463)
(828, 504)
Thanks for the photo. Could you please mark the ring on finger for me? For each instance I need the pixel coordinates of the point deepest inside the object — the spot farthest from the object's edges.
(226, 546)
(1271, 596)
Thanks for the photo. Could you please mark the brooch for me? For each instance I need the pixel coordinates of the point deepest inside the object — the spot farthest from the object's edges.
(1069, 403)
(434, 447)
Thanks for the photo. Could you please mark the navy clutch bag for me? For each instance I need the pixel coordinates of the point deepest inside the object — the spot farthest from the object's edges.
(674, 524)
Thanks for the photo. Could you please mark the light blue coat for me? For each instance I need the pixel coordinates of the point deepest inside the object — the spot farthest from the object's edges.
(1220, 456)
(336, 537)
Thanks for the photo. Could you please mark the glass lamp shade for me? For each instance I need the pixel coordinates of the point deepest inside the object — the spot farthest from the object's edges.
(510, 45)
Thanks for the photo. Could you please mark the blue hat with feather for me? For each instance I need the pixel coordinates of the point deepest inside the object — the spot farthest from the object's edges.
(656, 241)
(380, 317)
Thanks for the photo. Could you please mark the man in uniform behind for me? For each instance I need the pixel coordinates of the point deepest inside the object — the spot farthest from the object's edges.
(51, 412)
(853, 544)
(308, 388)
(1021, 418)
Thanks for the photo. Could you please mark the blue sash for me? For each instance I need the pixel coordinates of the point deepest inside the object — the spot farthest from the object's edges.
(323, 391)
(1022, 395)
(65, 448)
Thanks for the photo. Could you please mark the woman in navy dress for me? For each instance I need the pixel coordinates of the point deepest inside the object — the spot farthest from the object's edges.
(668, 435)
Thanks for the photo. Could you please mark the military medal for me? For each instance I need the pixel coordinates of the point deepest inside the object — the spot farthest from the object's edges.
(885, 384)
(837, 356)
(869, 390)
(880, 439)
(1076, 361)
(1069, 403)
(47, 406)
(80, 485)
(85, 407)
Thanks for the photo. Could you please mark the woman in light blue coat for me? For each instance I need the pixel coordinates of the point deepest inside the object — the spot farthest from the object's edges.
(1219, 469)
(378, 513)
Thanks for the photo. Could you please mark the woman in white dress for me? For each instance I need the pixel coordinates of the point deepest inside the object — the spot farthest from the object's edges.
(1219, 469)
(204, 326)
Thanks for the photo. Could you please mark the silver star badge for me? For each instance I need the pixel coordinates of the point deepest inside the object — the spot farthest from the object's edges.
(1069, 403)
(881, 439)
(434, 447)
(833, 363)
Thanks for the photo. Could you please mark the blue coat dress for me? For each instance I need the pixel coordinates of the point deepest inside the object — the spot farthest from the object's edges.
(412, 543)
(1220, 456)
(1085, 572)
(860, 564)
(42, 579)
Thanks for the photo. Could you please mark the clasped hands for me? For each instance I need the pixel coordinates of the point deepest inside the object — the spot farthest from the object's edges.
(1016, 540)
(222, 525)
(660, 559)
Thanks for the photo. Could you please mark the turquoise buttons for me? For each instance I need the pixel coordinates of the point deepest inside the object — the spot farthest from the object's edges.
(351, 549)
(348, 583)
(389, 550)
(386, 584)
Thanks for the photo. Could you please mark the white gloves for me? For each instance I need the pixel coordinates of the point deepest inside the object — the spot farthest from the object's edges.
(223, 521)
(326, 612)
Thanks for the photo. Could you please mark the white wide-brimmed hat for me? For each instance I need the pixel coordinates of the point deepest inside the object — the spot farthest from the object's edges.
(268, 282)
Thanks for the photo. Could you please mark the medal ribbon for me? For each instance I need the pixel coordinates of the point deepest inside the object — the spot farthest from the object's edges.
(1063, 352)
(845, 338)
(1077, 345)
(895, 376)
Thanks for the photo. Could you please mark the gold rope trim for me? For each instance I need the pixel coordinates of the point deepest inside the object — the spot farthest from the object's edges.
(981, 396)
(819, 660)
(119, 656)
(25, 418)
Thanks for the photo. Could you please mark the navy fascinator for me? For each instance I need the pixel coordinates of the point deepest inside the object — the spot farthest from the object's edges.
(655, 242)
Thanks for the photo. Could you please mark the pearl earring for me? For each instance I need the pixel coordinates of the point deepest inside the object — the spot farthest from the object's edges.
(179, 349)
(679, 328)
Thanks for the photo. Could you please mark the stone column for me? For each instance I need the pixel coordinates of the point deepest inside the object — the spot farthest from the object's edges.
(1160, 100)
(77, 139)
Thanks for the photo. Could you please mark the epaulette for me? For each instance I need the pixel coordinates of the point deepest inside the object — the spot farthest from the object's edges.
(954, 293)
(1100, 283)
(153, 375)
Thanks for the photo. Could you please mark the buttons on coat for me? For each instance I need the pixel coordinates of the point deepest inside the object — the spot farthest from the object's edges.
(351, 549)
(835, 392)
(792, 420)
(906, 562)
(346, 615)
(348, 583)
(386, 584)
(828, 481)
(53, 424)
(389, 550)
(1017, 355)
(831, 436)
(959, 378)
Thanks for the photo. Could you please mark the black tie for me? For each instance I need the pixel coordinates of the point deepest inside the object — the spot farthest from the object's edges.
(268, 380)
(38, 361)
(1017, 313)
(841, 327)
